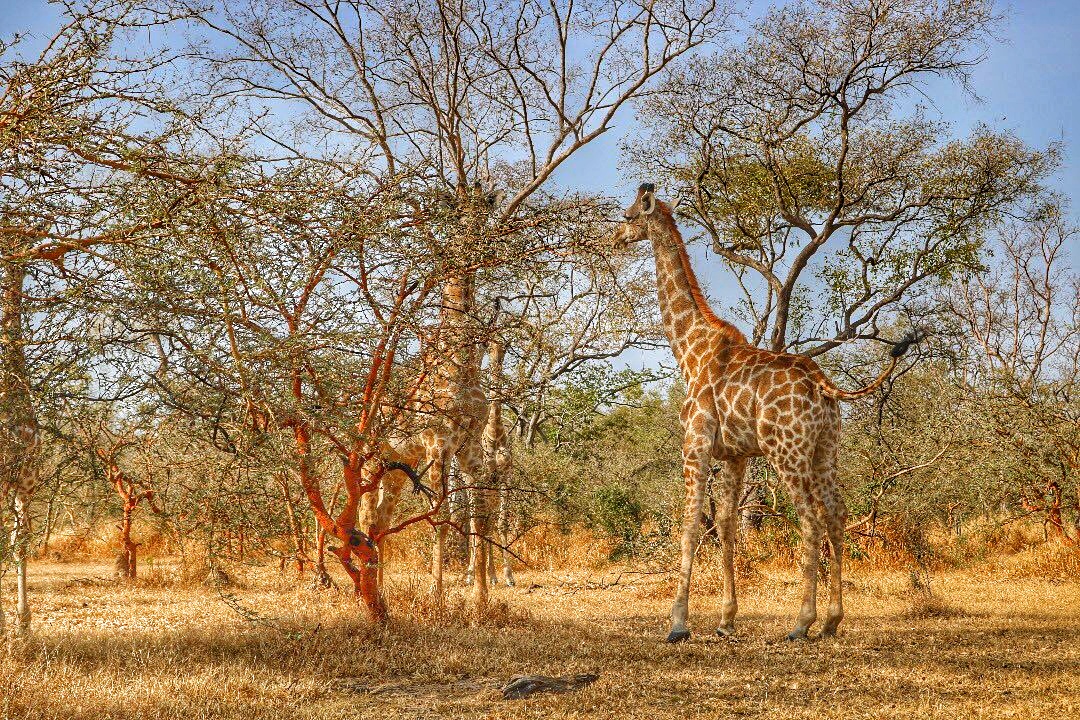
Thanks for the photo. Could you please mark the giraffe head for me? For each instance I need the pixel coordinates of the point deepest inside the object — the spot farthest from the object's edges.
(635, 226)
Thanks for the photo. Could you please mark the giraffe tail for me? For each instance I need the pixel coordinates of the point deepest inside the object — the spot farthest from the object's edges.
(901, 347)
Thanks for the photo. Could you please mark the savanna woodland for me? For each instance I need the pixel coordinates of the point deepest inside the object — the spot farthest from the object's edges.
(402, 358)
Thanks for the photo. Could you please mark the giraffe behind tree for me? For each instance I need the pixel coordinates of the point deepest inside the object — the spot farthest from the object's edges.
(19, 437)
(453, 403)
(743, 402)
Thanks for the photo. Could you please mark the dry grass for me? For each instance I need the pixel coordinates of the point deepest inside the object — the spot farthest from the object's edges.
(923, 605)
(998, 645)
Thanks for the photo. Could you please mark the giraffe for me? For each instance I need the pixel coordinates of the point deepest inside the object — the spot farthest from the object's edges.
(456, 404)
(457, 407)
(743, 402)
(19, 438)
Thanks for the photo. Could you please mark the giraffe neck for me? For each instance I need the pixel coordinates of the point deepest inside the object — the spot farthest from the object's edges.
(11, 317)
(458, 342)
(18, 423)
(688, 319)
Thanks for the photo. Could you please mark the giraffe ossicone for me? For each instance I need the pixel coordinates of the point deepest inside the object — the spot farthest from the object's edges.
(744, 402)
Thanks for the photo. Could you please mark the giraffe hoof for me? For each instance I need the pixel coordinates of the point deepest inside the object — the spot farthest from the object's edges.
(796, 635)
(677, 636)
(828, 632)
(726, 631)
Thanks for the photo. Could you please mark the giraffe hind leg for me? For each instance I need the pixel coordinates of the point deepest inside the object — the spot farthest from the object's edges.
(835, 521)
(504, 535)
(470, 460)
(811, 526)
(835, 518)
(437, 474)
(731, 480)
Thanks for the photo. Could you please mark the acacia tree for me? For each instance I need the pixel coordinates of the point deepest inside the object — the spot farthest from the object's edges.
(802, 153)
(133, 491)
(905, 450)
(453, 96)
(76, 154)
(269, 301)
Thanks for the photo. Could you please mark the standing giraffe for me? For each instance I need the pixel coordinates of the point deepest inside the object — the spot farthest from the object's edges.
(19, 440)
(743, 402)
(457, 406)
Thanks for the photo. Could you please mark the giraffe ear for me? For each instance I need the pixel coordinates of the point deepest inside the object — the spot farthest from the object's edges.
(648, 202)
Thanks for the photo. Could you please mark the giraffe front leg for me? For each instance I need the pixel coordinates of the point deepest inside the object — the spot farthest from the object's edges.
(697, 447)
(21, 546)
(731, 480)
(504, 534)
(470, 540)
(3, 619)
(437, 474)
(471, 463)
(438, 561)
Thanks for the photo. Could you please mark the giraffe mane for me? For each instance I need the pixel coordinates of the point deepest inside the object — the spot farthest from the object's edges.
(732, 333)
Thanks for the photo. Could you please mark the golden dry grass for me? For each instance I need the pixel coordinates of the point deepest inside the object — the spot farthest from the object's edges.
(997, 646)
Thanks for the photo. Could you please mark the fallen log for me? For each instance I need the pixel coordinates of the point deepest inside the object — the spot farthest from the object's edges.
(522, 686)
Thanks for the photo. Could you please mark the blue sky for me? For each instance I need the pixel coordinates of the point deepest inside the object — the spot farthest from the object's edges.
(1029, 83)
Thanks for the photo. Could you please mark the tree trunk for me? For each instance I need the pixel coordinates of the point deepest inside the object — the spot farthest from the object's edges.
(320, 562)
(365, 579)
(437, 559)
(128, 549)
(370, 592)
(1076, 516)
(354, 543)
(48, 526)
(751, 518)
(1054, 519)
(708, 515)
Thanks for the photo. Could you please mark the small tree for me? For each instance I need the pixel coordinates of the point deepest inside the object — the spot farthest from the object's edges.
(132, 492)
(75, 158)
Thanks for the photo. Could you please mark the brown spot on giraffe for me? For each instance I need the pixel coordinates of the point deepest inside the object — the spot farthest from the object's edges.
(744, 402)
